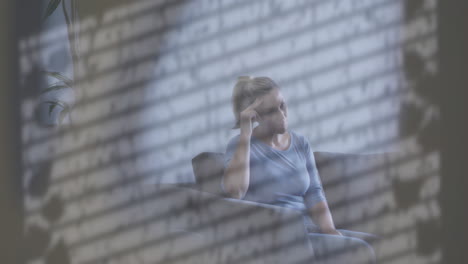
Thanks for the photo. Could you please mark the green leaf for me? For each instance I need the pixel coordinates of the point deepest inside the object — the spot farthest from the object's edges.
(53, 4)
(60, 77)
(62, 116)
(54, 87)
(54, 104)
(51, 108)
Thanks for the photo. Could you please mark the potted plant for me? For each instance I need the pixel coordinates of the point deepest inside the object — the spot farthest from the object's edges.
(55, 100)
(56, 97)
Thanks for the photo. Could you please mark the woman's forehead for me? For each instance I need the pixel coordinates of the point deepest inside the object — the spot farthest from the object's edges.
(272, 99)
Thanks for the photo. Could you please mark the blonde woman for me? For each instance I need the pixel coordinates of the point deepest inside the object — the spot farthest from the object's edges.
(274, 164)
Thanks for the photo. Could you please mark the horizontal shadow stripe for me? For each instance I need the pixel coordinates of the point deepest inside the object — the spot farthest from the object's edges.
(140, 177)
(176, 211)
(140, 84)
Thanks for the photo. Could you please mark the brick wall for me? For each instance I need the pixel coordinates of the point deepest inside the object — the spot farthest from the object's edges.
(153, 88)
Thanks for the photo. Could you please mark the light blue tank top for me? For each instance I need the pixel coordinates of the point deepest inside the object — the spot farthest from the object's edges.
(287, 178)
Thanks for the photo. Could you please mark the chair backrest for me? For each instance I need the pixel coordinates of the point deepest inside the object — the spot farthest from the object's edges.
(208, 168)
(358, 187)
(350, 181)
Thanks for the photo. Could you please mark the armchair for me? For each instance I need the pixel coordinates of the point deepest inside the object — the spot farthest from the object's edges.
(354, 185)
(217, 229)
(214, 229)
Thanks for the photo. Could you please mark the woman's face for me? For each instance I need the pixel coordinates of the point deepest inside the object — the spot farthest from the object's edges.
(273, 112)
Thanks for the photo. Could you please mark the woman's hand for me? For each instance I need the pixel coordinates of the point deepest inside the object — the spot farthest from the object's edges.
(248, 115)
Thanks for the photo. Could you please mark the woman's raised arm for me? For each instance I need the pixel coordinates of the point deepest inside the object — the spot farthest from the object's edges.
(236, 176)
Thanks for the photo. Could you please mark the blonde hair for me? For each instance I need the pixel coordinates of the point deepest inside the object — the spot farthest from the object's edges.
(246, 90)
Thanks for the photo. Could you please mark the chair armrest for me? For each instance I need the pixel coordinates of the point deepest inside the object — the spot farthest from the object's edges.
(233, 202)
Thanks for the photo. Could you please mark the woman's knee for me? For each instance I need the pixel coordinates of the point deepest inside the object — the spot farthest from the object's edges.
(363, 251)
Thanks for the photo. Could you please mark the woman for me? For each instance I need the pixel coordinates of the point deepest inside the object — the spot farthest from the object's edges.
(273, 164)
